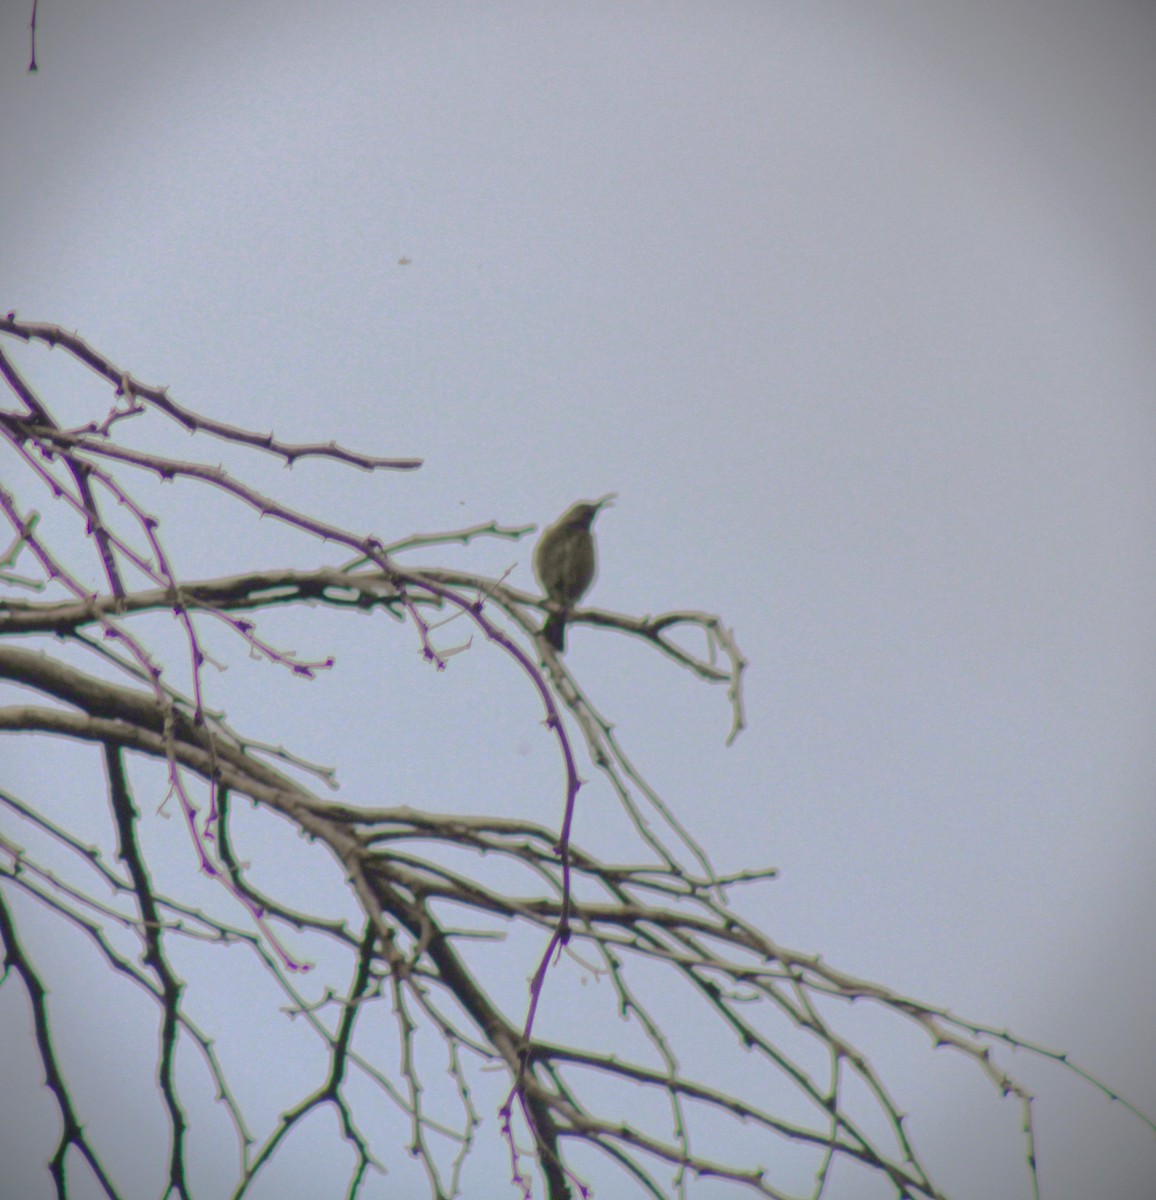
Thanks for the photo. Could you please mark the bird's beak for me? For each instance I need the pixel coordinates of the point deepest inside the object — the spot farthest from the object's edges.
(606, 501)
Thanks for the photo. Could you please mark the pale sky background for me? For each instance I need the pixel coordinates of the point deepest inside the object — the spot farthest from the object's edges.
(852, 305)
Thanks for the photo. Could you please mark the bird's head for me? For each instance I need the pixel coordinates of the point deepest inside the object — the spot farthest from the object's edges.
(582, 514)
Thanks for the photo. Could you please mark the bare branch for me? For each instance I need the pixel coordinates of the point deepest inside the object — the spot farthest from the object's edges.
(437, 896)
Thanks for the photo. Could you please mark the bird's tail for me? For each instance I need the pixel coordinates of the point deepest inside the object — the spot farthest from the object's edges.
(554, 631)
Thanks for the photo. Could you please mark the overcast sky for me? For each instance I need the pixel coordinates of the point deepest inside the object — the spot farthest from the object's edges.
(852, 305)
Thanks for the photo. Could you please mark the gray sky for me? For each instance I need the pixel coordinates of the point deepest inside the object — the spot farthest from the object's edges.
(853, 307)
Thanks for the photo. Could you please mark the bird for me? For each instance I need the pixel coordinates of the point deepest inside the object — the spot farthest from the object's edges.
(565, 564)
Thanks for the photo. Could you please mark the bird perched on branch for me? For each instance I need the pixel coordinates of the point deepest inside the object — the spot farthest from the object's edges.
(565, 564)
